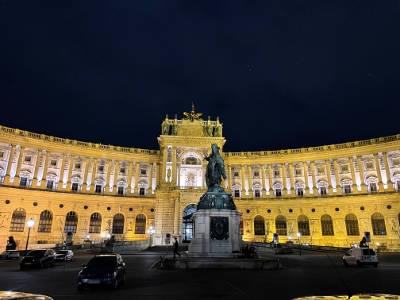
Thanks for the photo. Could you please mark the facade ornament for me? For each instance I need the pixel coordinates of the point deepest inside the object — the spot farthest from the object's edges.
(192, 115)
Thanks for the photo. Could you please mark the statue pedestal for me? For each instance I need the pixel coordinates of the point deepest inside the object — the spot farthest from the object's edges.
(216, 233)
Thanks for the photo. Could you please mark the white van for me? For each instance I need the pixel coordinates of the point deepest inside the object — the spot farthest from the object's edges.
(360, 257)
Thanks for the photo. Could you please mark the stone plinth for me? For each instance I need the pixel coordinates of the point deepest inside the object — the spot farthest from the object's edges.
(216, 233)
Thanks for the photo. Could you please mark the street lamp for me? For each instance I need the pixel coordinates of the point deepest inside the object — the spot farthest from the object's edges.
(298, 239)
(30, 224)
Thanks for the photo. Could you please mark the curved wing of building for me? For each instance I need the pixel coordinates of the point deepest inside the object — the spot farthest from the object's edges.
(328, 195)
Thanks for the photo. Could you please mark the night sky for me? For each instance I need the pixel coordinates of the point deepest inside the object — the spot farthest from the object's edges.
(279, 74)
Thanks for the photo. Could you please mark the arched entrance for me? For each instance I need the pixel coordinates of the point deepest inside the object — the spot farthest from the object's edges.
(187, 223)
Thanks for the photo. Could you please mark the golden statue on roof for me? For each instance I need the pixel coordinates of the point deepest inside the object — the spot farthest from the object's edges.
(192, 115)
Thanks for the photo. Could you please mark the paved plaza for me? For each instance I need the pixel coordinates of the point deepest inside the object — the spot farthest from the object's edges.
(312, 273)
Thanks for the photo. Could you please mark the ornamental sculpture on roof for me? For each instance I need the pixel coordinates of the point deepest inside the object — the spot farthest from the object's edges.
(192, 115)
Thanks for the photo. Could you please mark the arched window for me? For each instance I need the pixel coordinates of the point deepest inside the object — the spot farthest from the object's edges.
(191, 160)
(18, 220)
(259, 226)
(187, 222)
(46, 218)
(352, 225)
(378, 224)
(280, 225)
(140, 224)
(327, 225)
(95, 223)
(71, 222)
(303, 225)
(118, 224)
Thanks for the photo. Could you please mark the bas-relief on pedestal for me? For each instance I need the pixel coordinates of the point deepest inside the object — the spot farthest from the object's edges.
(217, 222)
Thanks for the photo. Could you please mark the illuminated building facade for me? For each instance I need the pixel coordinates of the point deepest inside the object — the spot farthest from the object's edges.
(330, 194)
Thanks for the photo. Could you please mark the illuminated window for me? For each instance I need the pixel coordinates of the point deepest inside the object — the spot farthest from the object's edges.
(118, 224)
(71, 222)
(280, 225)
(327, 225)
(140, 224)
(45, 221)
(259, 226)
(18, 220)
(352, 225)
(95, 223)
(378, 224)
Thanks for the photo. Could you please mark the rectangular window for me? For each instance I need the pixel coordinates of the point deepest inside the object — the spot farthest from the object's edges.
(143, 171)
(276, 173)
(300, 192)
(322, 191)
(372, 187)
(53, 163)
(23, 182)
(345, 169)
(256, 173)
(257, 194)
(120, 190)
(50, 184)
(236, 193)
(236, 174)
(347, 189)
(75, 187)
(78, 166)
(320, 170)
(298, 172)
(100, 169)
(142, 191)
(1, 154)
(98, 188)
(370, 165)
(28, 158)
(122, 170)
(278, 192)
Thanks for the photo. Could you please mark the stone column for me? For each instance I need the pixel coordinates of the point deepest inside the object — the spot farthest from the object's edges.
(337, 179)
(110, 167)
(362, 175)
(263, 189)
(11, 157)
(292, 181)
(71, 166)
(284, 178)
(329, 175)
(242, 176)
(229, 175)
(18, 168)
(137, 177)
(270, 179)
(314, 181)
(174, 172)
(378, 172)
(129, 178)
(45, 169)
(36, 169)
(164, 165)
(250, 170)
(64, 165)
(93, 176)
(388, 173)
(115, 179)
(353, 175)
(85, 174)
(154, 178)
(149, 178)
(306, 183)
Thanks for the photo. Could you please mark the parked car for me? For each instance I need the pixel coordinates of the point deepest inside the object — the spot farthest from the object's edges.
(38, 258)
(10, 254)
(360, 257)
(107, 269)
(8, 295)
(64, 255)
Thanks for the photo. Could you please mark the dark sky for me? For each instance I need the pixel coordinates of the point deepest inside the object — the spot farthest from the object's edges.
(280, 74)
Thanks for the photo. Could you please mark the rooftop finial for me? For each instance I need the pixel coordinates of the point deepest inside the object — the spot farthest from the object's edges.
(193, 115)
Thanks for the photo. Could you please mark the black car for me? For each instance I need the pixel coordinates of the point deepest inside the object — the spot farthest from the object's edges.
(103, 269)
(38, 258)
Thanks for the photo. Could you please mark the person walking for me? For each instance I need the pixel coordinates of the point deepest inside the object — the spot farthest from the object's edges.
(176, 248)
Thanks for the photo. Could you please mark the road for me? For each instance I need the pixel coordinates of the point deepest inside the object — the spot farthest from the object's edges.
(312, 273)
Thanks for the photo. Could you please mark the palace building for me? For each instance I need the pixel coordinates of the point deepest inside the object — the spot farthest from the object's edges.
(327, 195)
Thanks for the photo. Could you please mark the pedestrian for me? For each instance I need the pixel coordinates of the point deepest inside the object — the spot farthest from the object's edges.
(363, 243)
(176, 248)
(11, 244)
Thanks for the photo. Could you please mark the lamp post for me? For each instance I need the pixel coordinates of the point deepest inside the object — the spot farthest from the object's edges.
(298, 239)
(30, 224)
